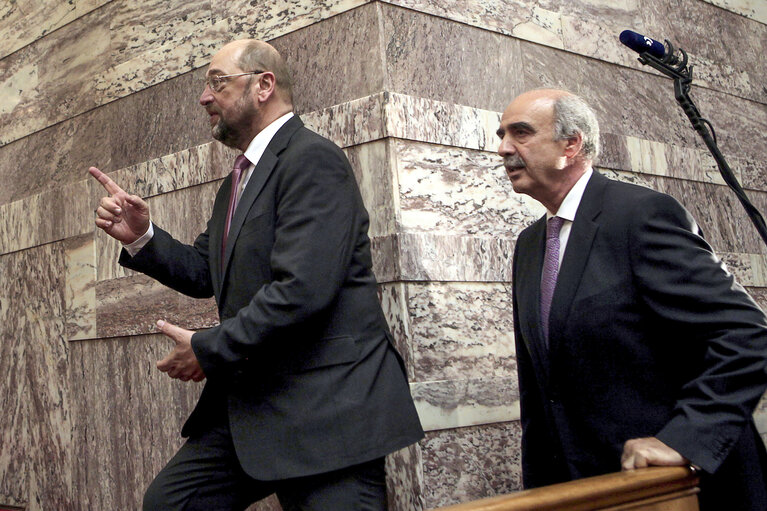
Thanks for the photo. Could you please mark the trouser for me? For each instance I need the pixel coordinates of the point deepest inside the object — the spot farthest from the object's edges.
(205, 475)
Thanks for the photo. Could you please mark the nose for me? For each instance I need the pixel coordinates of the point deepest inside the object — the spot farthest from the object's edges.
(206, 97)
(506, 148)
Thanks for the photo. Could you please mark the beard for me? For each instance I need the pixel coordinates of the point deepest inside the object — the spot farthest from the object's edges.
(231, 130)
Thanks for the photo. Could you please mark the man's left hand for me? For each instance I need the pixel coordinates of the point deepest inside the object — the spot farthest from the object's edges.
(644, 452)
(181, 362)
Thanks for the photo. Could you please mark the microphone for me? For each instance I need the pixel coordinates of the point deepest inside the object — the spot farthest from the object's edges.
(640, 44)
(656, 49)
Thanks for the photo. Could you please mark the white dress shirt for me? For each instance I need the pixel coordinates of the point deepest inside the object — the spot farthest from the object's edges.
(568, 208)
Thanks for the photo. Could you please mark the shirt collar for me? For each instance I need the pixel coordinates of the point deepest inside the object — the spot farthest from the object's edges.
(569, 206)
(258, 145)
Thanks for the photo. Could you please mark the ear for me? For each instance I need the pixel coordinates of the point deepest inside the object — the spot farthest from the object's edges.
(266, 86)
(573, 145)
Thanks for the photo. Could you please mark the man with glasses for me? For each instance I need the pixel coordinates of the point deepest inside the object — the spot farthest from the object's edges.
(305, 393)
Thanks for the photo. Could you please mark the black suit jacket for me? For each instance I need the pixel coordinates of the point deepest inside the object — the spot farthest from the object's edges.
(649, 336)
(302, 362)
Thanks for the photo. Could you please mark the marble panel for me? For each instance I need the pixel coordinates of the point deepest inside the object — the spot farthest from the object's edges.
(443, 257)
(404, 479)
(385, 251)
(15, 438)
(626, 102)
(266, 20)
(44, 218)
(459, 191)
(83, 7)
(441, 123)
(720, 215)
(523, 19)
(23, 23)
(54, 157)
(372, 164)
(80, 290)
(183, 213)
(160, 120)
(466, 65)
(32, 333)
(132, 305)
(749, 269)
(591, 28)
(393, 298)
(738, 123)
(351, 123)
(466, 464)
(754, 9)
(148, 26)
(731, 60)
(335, 61)
(52, 79)
(753, 172)
(461, 330)
(453, 404)
(129, 416)
(759, 294)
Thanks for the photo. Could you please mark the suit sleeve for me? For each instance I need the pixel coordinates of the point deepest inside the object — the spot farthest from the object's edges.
(318, 217)
(684, 284)
(178, 266)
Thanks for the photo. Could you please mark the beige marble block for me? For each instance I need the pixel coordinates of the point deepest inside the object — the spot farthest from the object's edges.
(80, 290)
(754, 9)
(22, 23)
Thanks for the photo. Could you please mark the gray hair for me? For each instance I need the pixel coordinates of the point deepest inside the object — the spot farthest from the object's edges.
(572, 115)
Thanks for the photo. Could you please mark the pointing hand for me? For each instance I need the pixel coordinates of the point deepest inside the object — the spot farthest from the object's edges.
(123, 216)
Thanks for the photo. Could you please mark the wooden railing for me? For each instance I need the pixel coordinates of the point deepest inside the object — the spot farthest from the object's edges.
(648, 489)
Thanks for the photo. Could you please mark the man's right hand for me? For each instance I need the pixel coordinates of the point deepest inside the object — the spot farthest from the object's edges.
(124, 217)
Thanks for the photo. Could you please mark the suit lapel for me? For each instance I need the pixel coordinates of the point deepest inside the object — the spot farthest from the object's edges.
(528, 285)
(258, 178)
(577, 253)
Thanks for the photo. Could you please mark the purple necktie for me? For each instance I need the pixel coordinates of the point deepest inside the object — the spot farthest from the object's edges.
(550, 271)
(240, 164)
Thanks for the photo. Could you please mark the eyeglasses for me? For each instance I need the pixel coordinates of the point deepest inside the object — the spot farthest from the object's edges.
(217, 82)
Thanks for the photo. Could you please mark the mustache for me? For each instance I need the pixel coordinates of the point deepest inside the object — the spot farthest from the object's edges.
(512, 161)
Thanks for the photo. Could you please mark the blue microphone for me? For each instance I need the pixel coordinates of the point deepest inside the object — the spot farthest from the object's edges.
(640, 44)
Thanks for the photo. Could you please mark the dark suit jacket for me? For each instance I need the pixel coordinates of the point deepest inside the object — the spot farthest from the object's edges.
(649, 336)
(302, 361)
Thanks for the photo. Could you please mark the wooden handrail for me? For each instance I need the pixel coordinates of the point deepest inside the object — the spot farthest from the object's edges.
(654, 488)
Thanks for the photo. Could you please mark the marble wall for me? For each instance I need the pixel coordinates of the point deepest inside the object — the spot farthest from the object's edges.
(412, 90)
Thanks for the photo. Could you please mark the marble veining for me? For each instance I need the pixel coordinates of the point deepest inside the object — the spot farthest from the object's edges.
(80, 290)
(37, 437)
(404, 479)
(461, 330)
(132, 305)
(754, 9)
(373, 168)
(452, 404)
(23, 23)
(457, 190)
(470, 463)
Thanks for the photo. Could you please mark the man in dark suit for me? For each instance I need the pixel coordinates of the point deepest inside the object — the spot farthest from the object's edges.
(635, 346)
(305, 393)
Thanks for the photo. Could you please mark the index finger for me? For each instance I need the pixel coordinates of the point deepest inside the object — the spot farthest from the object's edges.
(109, 185)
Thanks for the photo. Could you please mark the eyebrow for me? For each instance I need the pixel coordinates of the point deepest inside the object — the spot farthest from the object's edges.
(521, 125)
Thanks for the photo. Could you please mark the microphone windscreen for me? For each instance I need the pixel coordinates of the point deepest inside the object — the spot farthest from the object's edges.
(641, 44)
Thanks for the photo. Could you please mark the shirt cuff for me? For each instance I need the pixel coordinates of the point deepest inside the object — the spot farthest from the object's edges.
(133, 248)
